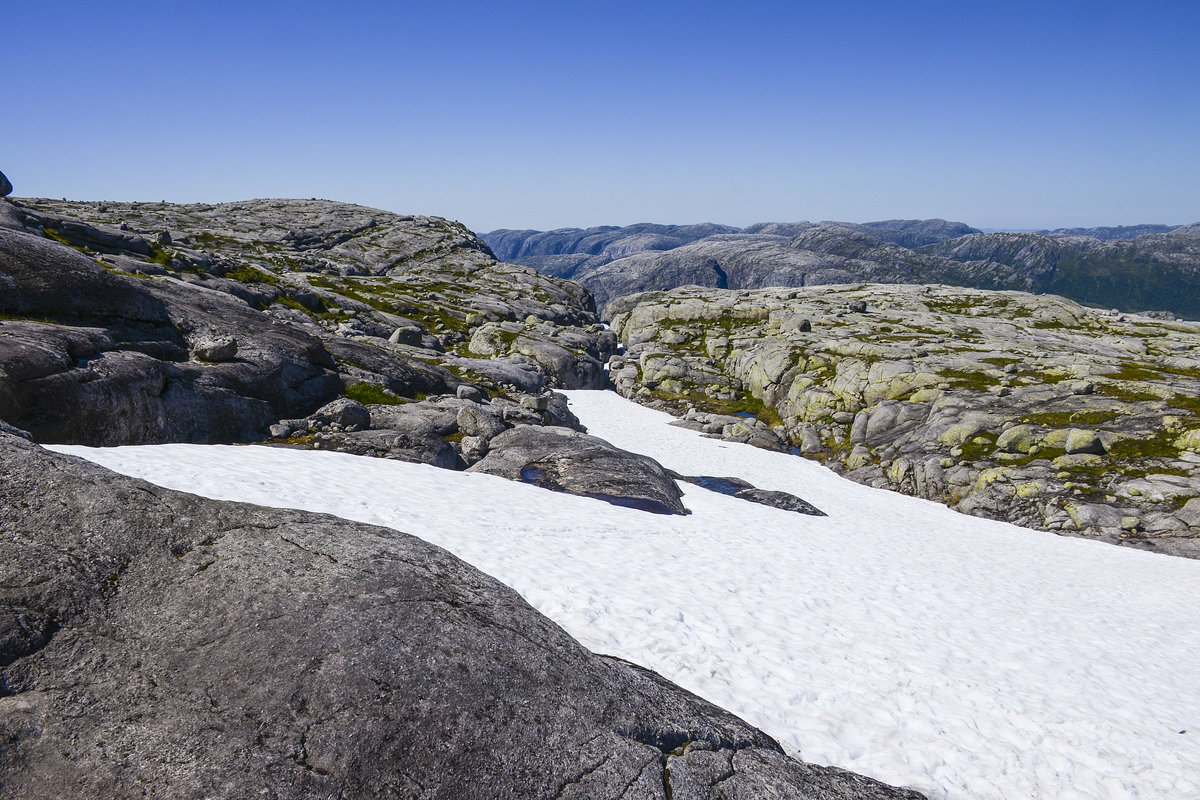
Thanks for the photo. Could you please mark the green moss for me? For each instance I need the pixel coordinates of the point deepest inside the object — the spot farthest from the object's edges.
(1184, 401)
(976, 381)
(1134, 371)
(1161, 445)
(979, 447)
(745, 404)
(251, 275)
(369, 394)
(160, 255)
(26, 318)
(58, 237)
(1059, 419)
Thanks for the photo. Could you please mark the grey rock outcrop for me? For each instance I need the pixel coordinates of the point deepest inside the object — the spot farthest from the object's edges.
(215, 348)
(217, 323)
(568, 461)
(153, 643)
(94, 358)
(1027, 408)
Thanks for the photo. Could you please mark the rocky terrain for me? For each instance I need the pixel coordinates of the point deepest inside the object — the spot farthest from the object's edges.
(1134, 268)
(1028, 408)
(307, 323)
(156, 644)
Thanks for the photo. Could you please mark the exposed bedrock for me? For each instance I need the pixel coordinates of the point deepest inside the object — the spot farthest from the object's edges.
(124, 323)
(1027, 408)
(154, 643)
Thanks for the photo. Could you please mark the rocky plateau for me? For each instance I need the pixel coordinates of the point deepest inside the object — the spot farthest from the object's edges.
(1032, 409)
(156, 644)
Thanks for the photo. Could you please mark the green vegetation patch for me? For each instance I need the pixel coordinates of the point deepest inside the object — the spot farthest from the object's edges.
(1060, 419)
(160, 255)
(370, 394)
(251, 275)
(1161, 445)
(979, 447)
(975, 381)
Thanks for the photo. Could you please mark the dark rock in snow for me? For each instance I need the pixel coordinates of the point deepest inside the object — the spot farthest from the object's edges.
(744, 490)
(156, 644)
(575, 463)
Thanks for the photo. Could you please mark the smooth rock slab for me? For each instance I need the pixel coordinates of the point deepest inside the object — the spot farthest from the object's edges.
(563, 460)
(156, 644)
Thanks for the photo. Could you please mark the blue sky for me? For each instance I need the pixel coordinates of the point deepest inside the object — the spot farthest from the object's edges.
(542, 115)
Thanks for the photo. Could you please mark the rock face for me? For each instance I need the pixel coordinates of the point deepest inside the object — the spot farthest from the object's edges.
(214, 323)
(1027, 408)
(572, 462)
(95, 358)
(154, 643)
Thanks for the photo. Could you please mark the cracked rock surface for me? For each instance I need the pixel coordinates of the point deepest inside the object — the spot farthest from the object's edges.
(208, 323)
(156, 644)
(1027, 408)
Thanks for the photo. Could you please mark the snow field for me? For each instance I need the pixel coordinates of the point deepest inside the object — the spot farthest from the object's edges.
(963, 657)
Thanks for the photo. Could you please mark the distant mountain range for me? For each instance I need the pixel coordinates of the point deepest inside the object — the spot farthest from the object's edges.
(1133, 268)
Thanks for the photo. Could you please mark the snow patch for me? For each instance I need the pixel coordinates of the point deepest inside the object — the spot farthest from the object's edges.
(962, 657)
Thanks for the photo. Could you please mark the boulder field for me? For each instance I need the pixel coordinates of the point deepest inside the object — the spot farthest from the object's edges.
(1027, 408)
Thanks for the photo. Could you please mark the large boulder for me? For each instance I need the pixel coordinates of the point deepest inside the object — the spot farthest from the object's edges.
(6, 186)
(569, 461)
(156, 644)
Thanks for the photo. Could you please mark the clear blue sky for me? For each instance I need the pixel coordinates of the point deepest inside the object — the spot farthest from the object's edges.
(551, 114)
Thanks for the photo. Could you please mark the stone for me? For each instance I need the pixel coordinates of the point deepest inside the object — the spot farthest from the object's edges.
(1017, 439)
(349, 414)
(1190, 513)
(473, 448)
(6, 186)
(536, 403)
(1083, 441)
(472, 420)
(466, 391)
(110, 356)
(563, 460)
(215, 348)
(406, 335)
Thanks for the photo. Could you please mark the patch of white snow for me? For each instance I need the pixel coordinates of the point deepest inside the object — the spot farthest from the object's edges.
(963, 657)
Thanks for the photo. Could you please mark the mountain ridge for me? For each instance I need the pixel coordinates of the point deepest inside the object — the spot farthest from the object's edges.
(1133, 268)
